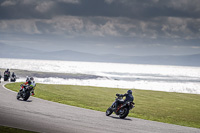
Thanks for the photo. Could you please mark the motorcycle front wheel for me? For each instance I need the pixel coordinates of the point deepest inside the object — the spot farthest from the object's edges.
(27, 95)
(123, 113)
(18, 95)
(109, 111)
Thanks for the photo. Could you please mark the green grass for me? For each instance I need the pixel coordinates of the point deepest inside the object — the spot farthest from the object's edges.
(175, 108)
(4, 129)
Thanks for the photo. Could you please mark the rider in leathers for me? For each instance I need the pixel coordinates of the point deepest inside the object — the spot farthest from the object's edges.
(129, 97)
(29, 83)
(7, 71)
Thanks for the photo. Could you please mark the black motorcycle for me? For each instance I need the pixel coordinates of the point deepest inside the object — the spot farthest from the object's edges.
(6, 76)
(122, 109)
(24, 92)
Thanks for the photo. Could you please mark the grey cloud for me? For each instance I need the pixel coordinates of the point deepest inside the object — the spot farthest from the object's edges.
(157, 8)
(109, 1)
(161, 27)
(70, 1)
(181, 28)
(32, 9)
(8, 3)
(135, 9)
(44, 6)
(188, 5)
(19, 26)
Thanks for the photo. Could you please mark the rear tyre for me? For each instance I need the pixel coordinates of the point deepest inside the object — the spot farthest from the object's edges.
(124, 113)
(109, 111)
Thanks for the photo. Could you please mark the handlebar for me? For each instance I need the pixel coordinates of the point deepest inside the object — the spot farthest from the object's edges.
(119, 95)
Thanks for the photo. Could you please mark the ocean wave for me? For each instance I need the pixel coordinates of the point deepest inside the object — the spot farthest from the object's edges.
(148, 77)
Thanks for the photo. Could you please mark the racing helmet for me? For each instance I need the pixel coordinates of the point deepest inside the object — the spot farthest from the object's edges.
(129, 91)
(32, 79)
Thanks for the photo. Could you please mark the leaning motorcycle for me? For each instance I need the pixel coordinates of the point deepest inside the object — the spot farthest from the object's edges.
(25, 92)
(122, 109)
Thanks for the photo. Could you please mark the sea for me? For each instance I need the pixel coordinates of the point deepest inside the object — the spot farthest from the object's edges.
(181, 79)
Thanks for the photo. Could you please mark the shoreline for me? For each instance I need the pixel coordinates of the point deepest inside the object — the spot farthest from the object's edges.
(38, 74)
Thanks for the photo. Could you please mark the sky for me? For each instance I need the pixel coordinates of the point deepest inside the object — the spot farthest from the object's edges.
(122, 27)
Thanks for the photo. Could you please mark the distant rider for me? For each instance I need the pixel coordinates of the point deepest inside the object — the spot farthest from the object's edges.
(27, 78)
(29, 83)
(13, 75)
(129, 97)
(7, 71)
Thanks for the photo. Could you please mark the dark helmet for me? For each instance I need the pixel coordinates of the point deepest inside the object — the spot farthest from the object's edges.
(31, 78)
(129, 91)
(7, 69)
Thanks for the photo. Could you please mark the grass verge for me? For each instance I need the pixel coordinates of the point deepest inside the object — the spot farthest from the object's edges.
(4, 129)
(175, 108)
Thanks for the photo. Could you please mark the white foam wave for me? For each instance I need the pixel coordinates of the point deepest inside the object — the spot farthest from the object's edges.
(148, 77)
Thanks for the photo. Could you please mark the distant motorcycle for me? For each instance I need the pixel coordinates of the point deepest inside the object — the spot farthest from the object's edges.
(122, 109)
(24, 92)
(6, 76)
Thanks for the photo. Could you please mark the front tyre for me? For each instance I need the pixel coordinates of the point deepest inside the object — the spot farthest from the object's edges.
(123, 113)
(109, 111)
(27, 95)
(18, 95)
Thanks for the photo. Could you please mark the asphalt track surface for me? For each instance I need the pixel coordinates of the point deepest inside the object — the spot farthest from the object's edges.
(50, 117)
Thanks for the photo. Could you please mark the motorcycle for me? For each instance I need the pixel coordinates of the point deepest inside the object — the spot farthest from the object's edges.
(25, 92)
(122, 109)
(6, 76)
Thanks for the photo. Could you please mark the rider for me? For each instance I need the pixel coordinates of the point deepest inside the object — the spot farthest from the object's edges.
(13, 75)
(27, 78)
(129, 97)
(7, 71)
(29, 83)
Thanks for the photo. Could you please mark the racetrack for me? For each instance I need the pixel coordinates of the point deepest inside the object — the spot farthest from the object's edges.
(50, 117)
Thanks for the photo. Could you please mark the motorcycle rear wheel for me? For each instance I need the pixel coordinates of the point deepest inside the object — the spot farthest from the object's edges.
(125, 112)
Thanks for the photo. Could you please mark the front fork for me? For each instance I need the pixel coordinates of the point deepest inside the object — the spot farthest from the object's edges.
(113, 105)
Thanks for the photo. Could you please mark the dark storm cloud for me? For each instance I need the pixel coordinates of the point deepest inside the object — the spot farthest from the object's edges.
(31, 9)
(16, 9)
(125, 23)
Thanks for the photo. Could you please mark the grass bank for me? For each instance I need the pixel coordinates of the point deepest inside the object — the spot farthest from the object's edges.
(175, 108)
(4, 129)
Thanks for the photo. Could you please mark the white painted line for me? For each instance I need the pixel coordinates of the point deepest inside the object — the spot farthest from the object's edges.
(7, 88)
